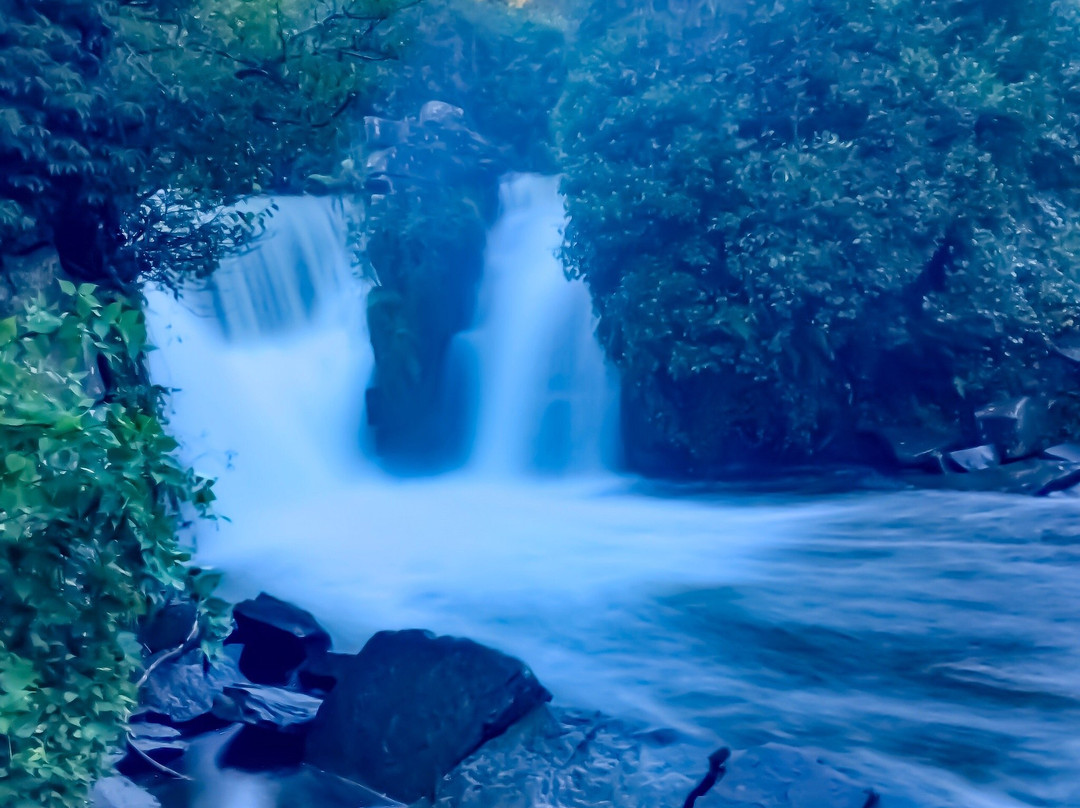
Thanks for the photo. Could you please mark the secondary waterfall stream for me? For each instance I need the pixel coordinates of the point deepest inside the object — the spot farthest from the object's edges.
(924, 641)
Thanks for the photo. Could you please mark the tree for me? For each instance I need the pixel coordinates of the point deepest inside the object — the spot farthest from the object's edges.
(801, 218)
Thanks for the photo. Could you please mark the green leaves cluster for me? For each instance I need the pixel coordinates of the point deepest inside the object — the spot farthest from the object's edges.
(91, 498)
(801, 217)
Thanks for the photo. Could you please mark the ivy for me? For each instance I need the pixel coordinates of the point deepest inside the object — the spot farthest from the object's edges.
(91, 499)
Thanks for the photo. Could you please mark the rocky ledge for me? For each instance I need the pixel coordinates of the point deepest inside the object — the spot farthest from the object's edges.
(415, 719)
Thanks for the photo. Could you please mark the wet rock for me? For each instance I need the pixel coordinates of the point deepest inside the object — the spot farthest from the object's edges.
(158, 742)
(182, 691)
(1016, 426)
(441, 113)
(411, 706)
(270, 708)
(1069, 452)
(913, 447)
(775, 776)
(277, 638)
(974, 459)
(119, 792)
(169, 627)
(1034, 476)
(568, 759)
(319, 675)
(257, 749)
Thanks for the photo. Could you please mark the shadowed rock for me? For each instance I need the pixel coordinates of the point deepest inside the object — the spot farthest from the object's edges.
(410, 706)
(277, 638)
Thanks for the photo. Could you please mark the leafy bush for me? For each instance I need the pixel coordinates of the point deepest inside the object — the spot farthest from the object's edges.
(799, 218)
(91, 497)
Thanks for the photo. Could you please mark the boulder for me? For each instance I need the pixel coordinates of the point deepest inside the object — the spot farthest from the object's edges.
(158, 742)
(1069, 452)
(411, 706)
(182, 690)
(911, 447)
(976, 458)
(558, 758)
(277, 638)
(119, 792)
(169, 627)
(1015, 426)
(776, 776)
(1035, 476)
(319, 675)
(270, 708)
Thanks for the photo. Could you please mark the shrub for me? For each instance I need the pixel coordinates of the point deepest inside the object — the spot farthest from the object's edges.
(798, 218)
(91, 498)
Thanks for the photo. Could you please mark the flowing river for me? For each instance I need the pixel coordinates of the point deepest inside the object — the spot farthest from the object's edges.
(929, 643)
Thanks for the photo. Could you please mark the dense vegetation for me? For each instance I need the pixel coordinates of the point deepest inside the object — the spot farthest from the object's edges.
(123, 129)
(798, 219)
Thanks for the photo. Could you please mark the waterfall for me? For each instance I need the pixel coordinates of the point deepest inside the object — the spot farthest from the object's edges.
(270, 359)
(546, 399)
(269, 362)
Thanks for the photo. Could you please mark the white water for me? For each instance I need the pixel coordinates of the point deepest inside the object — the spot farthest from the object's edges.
(547, 400)
(927, 642)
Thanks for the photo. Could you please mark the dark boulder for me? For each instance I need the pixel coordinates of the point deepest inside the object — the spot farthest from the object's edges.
(908, 447)
(277, 638)
(181, 691)
(149, 744)
(775, 776)
(270, 708)
(1016, 427)
(558, 758)
(411, 706)
(320, 674)
(170, 627)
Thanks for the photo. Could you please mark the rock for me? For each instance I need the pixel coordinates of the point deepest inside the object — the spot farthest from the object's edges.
(568, 759)
(182, 691)
(319, 675)
(411, 706)
(257, 749)
(119, 792)
(161, 743)
(973, 459)
(775, 776)
(913, 447)
(441, 113)
(1069, 452)
(277, 638)
(169, 627)
(270, 708)
(1034, 476)
(1015, 427)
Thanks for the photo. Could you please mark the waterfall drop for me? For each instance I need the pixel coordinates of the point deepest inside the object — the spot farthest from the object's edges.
(547, 401)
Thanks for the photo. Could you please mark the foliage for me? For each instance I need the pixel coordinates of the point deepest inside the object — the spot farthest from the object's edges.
(798, 218)
(125, 126)
(91, 499)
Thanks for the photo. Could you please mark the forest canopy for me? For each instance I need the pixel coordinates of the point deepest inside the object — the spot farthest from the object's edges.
(798, 219)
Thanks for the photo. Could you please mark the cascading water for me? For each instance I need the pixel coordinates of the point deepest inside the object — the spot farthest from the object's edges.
(269, 362)
(738, 618)
(547, 400)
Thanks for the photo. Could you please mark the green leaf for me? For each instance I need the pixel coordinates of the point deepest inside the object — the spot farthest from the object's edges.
(9, 329)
